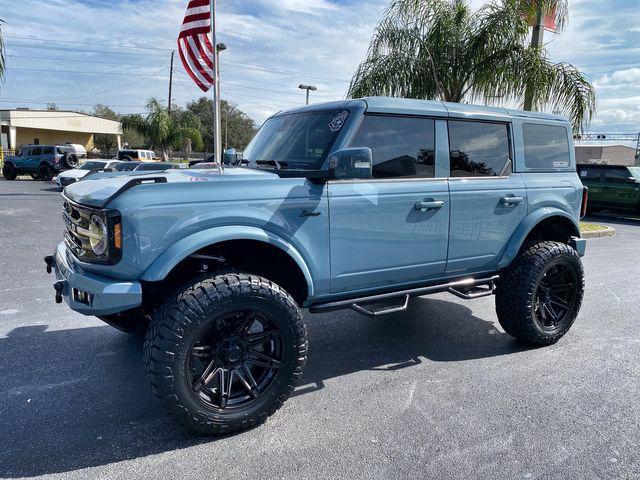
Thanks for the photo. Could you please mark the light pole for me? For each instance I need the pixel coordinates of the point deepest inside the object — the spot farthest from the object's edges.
(220, 47)
(308, 88)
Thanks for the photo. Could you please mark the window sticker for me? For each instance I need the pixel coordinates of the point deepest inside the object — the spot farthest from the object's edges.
(560, 164)
(338, 121)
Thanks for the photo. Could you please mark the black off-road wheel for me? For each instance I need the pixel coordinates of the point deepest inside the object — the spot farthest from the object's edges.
(538, 296)
(45, 173)
(9, 171)
(70, 160)
(134, 322)
(225, 352)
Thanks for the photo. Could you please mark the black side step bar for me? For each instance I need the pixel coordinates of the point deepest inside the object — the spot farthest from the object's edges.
(467, 288)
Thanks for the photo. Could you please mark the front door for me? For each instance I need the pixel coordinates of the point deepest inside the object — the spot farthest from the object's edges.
(488, 202)
(391, 229)
(620, 189)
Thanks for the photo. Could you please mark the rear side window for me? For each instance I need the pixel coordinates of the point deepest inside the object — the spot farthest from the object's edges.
(478, 149)
(401, 146)
(47, 150)
(545, 146)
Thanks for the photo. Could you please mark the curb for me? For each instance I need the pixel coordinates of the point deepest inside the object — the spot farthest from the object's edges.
(607, 232)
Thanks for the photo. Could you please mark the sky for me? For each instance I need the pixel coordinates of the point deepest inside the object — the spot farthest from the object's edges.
(77, 53)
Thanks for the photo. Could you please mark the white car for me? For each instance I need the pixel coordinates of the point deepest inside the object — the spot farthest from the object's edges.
(71, 176)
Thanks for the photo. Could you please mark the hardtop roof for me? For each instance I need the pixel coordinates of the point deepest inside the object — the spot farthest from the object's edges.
(412, 106)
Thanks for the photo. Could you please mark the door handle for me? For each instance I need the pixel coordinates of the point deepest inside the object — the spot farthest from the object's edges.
(425, 206)
(511, 200)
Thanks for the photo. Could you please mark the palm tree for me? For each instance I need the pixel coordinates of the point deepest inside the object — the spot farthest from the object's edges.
(439, 49)
(165, 131)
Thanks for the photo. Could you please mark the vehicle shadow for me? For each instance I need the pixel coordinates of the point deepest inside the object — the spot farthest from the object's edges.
(78, 398)
(614, 218)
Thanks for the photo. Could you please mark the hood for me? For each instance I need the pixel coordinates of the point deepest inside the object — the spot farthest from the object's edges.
(75, 173)
(100, 188)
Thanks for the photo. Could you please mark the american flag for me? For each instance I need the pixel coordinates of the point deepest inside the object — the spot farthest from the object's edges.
(194, 44)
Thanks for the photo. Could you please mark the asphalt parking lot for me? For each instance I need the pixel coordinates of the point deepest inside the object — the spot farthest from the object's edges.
(437, 392)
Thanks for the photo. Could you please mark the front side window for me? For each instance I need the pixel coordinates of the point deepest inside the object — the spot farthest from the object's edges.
(478, 149)
(545, 146)
(619, 175)
(36, 151)
(401, 146)
(298, 140)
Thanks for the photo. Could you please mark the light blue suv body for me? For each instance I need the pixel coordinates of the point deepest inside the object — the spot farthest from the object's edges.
(361, 235)
(345, 204)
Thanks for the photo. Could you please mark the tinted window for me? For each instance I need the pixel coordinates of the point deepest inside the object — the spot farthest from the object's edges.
(587, 173)
(478, 148)
(36, 151)
(154, 166)
(618, 175)
(545, 146)
(25, 151)
(401, 147)
(126, 166)
(299, 140)
(47, 150)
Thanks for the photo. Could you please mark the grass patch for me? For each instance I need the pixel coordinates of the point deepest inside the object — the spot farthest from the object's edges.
(591, 227)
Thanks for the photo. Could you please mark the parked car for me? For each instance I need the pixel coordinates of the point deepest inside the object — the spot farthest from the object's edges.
(124, 168)
(612, 187)
(359, 204)
(40, 161)
(136, 155)
(71, 176)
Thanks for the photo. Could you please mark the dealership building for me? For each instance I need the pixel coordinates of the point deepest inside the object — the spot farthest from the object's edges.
(53, 127)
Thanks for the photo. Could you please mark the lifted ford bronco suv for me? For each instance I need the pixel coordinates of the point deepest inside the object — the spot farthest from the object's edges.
(357, 204)
(40, 161)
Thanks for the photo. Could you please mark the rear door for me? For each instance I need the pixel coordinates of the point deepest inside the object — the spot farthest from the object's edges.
(488, 201)
(391, 229)
(592, 178)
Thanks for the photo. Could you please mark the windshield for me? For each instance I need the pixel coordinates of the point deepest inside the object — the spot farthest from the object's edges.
(92, 166)
(298, 140)
(635, 171)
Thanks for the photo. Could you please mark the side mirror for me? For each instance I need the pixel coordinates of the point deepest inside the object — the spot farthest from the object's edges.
(351, 163)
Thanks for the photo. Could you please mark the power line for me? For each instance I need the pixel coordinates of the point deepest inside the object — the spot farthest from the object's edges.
(110, 45)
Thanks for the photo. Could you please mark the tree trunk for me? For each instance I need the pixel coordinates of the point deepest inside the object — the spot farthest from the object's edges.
(536, 42)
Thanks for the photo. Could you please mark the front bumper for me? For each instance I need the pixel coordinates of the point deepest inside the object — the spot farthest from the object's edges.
(88, 293)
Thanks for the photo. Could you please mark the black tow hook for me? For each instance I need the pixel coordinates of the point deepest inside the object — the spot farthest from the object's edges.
(49, 261)
(59, 287)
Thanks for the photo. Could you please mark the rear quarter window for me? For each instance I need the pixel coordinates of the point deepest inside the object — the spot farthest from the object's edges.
(545, 146)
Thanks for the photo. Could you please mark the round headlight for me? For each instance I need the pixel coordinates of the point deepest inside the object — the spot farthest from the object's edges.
(100, 236)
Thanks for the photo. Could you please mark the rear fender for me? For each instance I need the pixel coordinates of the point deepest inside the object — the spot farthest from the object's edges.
(527, 225)
(166, 262)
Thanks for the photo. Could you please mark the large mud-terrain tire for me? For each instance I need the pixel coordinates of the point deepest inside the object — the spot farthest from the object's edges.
(225, 352)
(9, 171)
(538, 296)
(133, 321)
(45, 173)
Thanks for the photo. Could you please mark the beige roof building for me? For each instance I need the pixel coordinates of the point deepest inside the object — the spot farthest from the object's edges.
(53, 127)
(606, 154)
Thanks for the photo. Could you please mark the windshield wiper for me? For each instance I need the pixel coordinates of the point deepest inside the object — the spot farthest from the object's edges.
(275, 163)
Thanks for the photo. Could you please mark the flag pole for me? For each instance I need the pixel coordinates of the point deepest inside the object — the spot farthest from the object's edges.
(216, 87)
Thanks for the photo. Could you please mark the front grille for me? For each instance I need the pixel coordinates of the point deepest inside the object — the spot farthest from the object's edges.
(67, 181)
(76, 237)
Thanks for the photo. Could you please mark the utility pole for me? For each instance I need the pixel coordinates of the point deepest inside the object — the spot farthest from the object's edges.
(308, 88)
(171, 80)
(536, 42)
